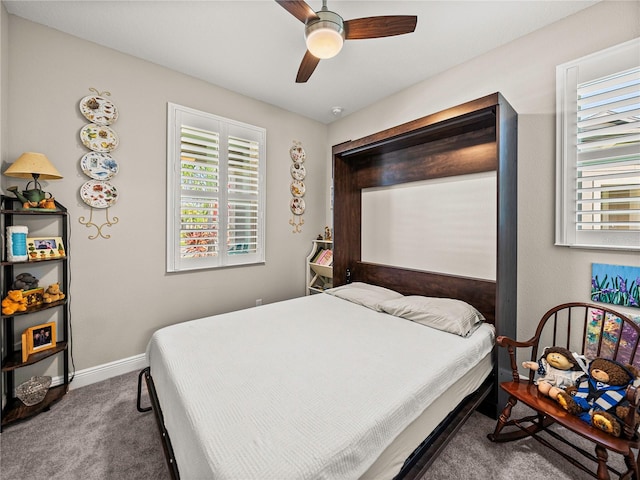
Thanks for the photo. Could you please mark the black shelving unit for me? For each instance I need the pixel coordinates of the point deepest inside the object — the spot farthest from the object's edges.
(11, 211)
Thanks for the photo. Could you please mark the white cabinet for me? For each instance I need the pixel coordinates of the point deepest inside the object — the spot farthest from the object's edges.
(320, 267)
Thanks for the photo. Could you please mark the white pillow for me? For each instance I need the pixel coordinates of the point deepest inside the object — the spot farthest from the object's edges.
(446, 314)
(367, 295)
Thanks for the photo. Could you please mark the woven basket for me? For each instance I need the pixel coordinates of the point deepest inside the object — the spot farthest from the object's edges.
(33, 390)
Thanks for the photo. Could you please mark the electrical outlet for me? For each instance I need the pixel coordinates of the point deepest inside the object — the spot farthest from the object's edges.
(258, 302)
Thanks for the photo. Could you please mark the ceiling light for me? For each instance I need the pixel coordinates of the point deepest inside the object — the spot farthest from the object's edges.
(325, 35)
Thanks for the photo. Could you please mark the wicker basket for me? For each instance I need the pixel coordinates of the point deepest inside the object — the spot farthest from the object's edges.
(33, 390)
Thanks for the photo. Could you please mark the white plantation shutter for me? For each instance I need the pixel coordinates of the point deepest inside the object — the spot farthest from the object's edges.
(243, 207)
(599, 150)
(608, 159)
(199, 202)
(215, 213)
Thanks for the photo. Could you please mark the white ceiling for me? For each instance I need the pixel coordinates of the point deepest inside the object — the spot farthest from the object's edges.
(255, 47)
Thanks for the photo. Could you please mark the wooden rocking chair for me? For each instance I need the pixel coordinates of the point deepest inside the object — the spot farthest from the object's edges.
(594, 331)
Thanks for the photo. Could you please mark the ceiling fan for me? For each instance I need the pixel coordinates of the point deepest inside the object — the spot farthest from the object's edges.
(325, 31)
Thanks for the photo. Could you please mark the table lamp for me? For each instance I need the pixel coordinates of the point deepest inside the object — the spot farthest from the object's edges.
(32, 165)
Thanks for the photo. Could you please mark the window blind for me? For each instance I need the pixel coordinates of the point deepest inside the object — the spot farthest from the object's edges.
(243, 194)
(608, 153)
(199, 182)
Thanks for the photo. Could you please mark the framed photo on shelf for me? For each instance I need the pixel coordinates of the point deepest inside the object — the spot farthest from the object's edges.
(41, 248)
(38, 338)
(34, 297)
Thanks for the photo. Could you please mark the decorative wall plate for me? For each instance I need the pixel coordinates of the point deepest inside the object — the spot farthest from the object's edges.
(297, 188)
(99, 166)
(297, 153)
(298, 172)
(297, 206)
(98, 194)
(98, 110)
(99, 138)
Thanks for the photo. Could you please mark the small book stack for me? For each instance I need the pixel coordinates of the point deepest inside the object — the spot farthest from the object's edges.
(323, 257)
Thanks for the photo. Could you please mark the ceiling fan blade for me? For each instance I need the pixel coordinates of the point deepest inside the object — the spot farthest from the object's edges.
(376, 27)
(298, 8)
(307, 66)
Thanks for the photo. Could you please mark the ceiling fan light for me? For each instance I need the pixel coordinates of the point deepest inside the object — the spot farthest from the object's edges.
(324, 42)
(324, 34)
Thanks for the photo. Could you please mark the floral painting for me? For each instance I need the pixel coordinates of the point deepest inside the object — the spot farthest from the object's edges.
(615, 284)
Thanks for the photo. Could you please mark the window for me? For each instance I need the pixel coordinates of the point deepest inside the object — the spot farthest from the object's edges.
(215, 191)
(598, 155)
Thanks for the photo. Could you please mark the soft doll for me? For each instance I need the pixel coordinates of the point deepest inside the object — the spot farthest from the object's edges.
(53, 293)
(599, 399)
(24, 281)
(558, 369)
(14, 302)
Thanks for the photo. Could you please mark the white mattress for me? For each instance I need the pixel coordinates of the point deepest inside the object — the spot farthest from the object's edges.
(311, 388)
(391, 460)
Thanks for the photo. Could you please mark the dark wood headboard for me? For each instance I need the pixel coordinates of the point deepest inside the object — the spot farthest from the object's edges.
(477, 292)
(477, 136)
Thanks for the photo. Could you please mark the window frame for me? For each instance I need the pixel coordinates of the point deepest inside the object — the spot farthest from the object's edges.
(177, 115)
(568, 76)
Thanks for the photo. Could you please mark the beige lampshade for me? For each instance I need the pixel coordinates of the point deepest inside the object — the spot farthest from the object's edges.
(31, 164)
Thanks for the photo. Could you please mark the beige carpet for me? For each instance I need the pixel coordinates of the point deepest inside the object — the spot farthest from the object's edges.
(96, 433)
(93, 433)
(470, 455)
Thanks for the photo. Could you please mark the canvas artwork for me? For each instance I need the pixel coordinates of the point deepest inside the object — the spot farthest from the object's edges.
(603, 331)
(615, 284)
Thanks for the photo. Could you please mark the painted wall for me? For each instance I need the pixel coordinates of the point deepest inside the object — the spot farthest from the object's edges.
(524, 72)
(120, 293)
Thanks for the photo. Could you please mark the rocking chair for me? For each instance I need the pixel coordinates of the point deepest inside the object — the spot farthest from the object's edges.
(591, 330)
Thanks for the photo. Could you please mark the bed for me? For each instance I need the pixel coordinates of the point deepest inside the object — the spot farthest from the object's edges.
(314, 387)
(343, 384)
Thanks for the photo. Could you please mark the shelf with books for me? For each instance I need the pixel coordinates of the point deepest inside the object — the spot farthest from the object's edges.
(323, 257)
(319, 273)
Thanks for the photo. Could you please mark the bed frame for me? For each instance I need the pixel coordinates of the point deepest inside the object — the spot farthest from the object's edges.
(478, 136)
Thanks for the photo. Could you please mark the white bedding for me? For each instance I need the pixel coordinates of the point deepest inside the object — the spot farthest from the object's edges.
(310, 388)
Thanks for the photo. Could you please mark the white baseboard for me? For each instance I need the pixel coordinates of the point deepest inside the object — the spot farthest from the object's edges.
(99, 373)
